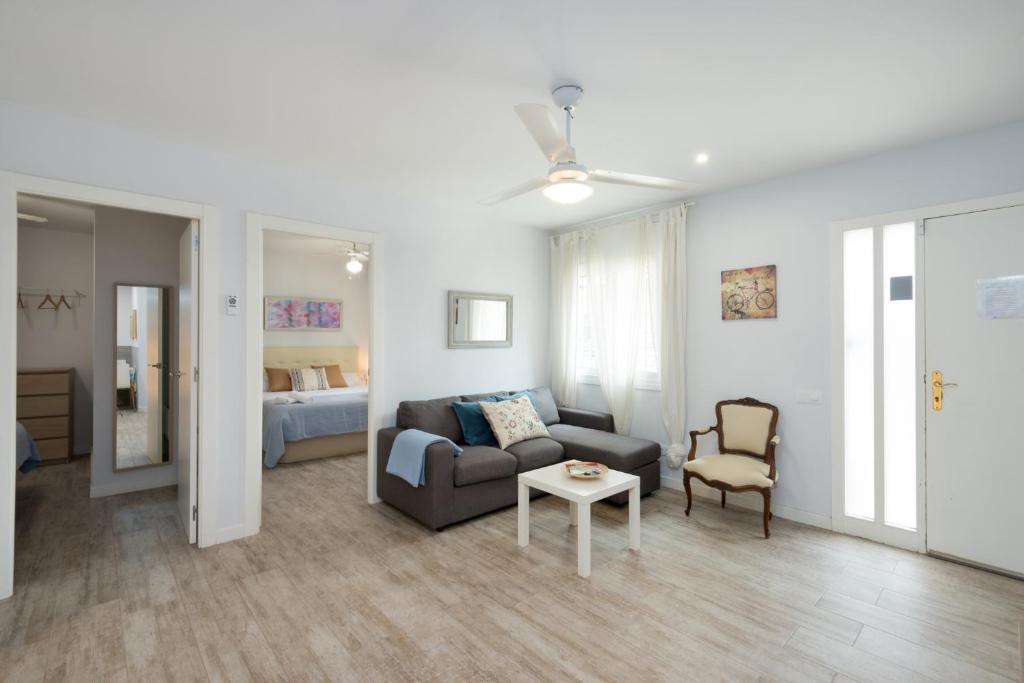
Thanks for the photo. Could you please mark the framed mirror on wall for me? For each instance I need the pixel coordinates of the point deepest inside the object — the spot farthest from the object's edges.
(477, 320)
(143, 377)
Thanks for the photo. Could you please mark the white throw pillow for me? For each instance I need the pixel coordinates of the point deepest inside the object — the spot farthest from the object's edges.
(353, 379)
(513, 421)
(309, 379)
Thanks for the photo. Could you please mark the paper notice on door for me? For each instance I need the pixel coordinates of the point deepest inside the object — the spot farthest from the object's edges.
(1001, 297)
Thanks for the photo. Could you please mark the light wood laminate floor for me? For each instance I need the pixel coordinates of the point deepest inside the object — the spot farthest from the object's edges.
(334, 589)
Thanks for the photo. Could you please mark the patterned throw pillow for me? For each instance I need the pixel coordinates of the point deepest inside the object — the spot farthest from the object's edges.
(513, 421)
(309, 379)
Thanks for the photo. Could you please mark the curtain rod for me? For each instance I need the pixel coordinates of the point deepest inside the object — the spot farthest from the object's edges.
(632, 213)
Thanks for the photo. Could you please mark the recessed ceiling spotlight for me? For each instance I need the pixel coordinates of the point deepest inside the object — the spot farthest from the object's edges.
(702, 158)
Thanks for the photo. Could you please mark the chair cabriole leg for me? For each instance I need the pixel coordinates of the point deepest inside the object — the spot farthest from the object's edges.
(767, 494)
(689, 497)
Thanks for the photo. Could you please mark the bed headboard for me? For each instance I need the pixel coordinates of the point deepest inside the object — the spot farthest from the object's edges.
(305, 356)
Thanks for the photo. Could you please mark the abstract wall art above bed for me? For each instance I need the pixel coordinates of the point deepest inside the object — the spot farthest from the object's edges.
(301, 313)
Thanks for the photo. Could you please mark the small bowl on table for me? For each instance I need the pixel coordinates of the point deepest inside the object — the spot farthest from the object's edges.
(584, 470)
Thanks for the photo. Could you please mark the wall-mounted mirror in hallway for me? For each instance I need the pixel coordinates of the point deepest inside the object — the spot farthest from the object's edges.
(143, 425)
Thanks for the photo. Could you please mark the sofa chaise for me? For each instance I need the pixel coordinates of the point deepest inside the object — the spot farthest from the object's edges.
(483, 478)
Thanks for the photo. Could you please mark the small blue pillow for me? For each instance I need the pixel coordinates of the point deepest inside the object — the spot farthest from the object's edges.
(476, 431)
(512, 397)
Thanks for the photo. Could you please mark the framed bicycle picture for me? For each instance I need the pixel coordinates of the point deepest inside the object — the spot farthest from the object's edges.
(749, 293)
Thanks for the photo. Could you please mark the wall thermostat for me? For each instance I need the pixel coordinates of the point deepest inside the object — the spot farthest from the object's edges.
(231, 304)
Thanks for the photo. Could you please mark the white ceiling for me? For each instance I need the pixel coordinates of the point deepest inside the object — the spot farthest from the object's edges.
(304, 245)
(60, 214)
(414, 98)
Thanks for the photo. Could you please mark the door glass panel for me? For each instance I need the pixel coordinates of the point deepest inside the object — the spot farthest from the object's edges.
(859, 371)
(900, 383)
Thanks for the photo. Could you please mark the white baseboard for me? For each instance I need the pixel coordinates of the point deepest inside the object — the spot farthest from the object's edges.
(750, 501)
(116, 488)
(232, 533)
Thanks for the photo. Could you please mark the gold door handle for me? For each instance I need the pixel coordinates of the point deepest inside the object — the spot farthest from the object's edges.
(937, 389)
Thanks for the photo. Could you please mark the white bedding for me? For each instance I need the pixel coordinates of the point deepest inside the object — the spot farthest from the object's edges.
(343, 391)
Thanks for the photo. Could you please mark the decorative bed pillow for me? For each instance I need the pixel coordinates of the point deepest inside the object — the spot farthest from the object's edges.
(513, 421)
(335, 379)
(353, 379)
(278, 379)
(309, 379)
(476, 431)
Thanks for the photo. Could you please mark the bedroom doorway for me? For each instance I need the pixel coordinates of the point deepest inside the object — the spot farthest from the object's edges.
(309, 399)
(118, 245)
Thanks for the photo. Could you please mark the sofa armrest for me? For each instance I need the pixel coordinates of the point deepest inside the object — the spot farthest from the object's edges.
(430, 503)
(590, 419)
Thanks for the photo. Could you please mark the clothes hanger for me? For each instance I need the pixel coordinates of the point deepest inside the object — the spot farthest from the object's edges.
(53, 304)
(21, 302)
(62, 300)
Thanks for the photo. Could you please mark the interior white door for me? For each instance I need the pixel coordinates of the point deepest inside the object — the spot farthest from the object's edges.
(187, 396)
(975, 456)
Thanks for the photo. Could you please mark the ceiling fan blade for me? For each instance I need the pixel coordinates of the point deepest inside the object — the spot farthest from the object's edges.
(637, 180)
(540, 122)
(523, 188)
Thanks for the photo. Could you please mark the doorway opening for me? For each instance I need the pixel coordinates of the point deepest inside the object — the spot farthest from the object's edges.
(310, 358)
(103, 324)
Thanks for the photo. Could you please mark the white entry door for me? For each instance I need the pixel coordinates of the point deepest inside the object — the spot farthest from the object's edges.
(187, 403)
(974, 303)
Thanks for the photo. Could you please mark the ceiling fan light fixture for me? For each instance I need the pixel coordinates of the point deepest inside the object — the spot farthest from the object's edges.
(567, 170)
(354, 265)
(568, 191)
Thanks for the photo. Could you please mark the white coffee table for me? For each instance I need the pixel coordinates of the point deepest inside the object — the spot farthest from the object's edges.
(580, 493)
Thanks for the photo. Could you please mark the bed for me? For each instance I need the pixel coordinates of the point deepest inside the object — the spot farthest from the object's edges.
(331, 423)
(26, 454)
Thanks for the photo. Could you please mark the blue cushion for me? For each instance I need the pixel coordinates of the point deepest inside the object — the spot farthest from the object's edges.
(476, 431)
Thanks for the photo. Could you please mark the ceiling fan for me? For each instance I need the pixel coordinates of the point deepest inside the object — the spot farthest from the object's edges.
(568, 181)
(356, 258)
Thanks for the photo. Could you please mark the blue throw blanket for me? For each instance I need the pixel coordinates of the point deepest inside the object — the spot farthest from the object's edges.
(26, 452)
(323, 416)
(408, 458)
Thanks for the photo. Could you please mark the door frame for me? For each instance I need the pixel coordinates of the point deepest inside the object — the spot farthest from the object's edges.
(256, 224)
(11, 185)
(877, 530)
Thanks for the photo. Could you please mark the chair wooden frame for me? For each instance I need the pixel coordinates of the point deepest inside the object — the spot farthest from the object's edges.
(768, 456)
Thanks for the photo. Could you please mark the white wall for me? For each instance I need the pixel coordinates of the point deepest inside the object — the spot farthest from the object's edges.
(421, 250)
(132, 248)
(785, 222)
(59, 259)
(290, 271)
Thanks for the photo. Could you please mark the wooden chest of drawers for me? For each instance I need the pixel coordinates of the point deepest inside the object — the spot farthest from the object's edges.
(46, 408)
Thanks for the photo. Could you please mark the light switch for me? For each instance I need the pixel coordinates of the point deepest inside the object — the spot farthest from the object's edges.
(810, 396)
(231, 304)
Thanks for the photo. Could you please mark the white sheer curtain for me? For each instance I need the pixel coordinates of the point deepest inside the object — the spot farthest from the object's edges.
(635, 277)
(671, 339)
(617, 261)
(565, 287)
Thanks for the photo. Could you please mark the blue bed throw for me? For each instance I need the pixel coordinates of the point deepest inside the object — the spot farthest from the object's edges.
(408, 458)
(26, 452)
(319, 416)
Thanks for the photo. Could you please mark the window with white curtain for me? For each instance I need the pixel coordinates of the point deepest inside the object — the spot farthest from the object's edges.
(648, 375)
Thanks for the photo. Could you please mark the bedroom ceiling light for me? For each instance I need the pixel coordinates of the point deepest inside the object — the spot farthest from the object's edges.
(702, 158)
(568, 191)
(354, 265)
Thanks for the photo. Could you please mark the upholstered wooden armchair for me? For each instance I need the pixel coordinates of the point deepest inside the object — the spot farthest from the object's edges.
(746, 446)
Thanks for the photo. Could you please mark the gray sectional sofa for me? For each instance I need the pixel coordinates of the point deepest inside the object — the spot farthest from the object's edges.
(483, 478)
